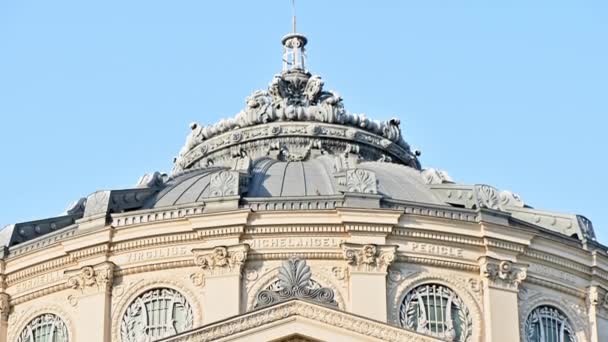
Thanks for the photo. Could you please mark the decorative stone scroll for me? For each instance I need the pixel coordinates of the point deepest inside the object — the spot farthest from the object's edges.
(502, 273)
(295, 282)
(369, 258)
(221, 259)
(97, 277)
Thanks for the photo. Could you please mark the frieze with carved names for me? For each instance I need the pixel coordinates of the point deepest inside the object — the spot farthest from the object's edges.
(434, 249)
(295, 242)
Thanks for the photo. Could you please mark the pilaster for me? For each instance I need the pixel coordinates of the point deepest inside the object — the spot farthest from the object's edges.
(501, 279)
(91, 296)
(5, 310)
(220, 275)
(597, 301)
(368, 266)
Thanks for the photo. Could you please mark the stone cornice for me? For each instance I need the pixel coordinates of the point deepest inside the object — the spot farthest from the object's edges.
(298, 308)
(573, 291)
(430, 210)
(442, 263)
(155, 215)
(153, 267)
(293, 203)
(557, 260)
(409, 233)
(296, 228)
(303, 255)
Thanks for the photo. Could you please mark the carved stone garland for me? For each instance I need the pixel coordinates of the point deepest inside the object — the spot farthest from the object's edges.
(295, 282)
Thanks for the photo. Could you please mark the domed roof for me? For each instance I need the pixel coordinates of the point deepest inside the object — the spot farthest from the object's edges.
(274, 178)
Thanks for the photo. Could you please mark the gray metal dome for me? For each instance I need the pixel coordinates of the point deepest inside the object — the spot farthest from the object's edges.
(271, 178)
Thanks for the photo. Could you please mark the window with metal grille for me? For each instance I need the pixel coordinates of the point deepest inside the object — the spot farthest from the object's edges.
(44, 328)
(156, 314)
(436, 310)
(548, 324)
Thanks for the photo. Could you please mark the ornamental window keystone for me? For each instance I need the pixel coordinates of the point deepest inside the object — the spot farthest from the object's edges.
(370, 257)
(502, 273)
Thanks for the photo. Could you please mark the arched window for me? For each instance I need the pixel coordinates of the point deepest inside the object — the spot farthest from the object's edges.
(45, 328)
(436, 310)
(156, 314)
(548, 324)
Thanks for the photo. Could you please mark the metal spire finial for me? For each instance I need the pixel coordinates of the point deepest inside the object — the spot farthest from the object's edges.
(293, 16)
(294, 53)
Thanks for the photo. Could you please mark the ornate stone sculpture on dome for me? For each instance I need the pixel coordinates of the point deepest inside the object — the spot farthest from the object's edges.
(295, 96)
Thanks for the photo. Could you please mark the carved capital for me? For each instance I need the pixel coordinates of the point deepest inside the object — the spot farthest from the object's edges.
(221, 259)
(5, 306)
(597, 296)
(98, 277)
(502, 273)
(369, 258)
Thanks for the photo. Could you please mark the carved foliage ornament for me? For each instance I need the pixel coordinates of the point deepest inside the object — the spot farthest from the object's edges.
(363, 181)
(224, 183)
(369, 258)
(294, 281)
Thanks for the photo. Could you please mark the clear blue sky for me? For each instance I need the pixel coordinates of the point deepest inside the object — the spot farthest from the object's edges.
(510, 93)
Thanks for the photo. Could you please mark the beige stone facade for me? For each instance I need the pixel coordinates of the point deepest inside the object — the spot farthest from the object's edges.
(90, 278)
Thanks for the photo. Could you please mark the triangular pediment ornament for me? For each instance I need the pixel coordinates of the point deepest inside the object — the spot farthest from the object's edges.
(300, 317)
(295, 281)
